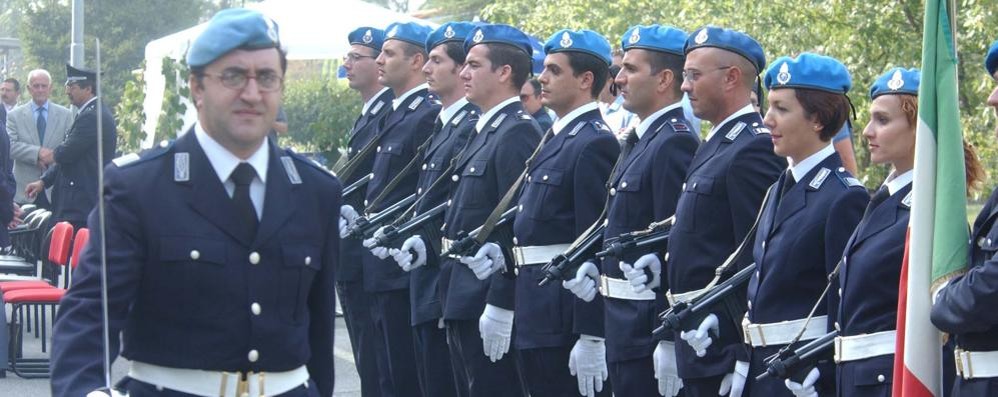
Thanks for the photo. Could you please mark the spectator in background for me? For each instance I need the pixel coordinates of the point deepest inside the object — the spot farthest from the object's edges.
(843, 145)
(611, 105)
(35, 129)
(530, 96)
(10, 90)
(280, 125)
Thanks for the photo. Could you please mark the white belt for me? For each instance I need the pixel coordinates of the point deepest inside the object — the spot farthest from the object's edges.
(216, 383)
(972, 365)
(445, 245)
(621, 289)
(538, 254)
(683, 297)
(858, 347)
(784, 332)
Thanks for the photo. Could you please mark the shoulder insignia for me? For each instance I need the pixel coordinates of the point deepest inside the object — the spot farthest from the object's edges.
(678, 125)
(126, 159)
(415, 103)
(847, 179)
(819, 179)
(761, 130)
(906, 201)
(181, 167)
(524, 116)
(733, 133)
(377, 107)
(291, 170)
(601, 126)
(458, 117)
(302, 160)
(499, 119)
(575, 131)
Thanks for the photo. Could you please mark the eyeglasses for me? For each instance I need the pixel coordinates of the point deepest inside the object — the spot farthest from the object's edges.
(353, 58)
(692, 75)
(237, 79)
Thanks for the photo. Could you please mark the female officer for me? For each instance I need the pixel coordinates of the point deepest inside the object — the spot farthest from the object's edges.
(810, 214)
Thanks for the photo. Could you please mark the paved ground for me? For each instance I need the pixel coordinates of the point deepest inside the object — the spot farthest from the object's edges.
(347, 381)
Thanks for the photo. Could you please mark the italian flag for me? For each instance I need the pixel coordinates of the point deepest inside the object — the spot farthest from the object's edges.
(937, 233)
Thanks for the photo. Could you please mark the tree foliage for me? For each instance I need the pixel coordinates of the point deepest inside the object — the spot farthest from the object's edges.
(868, 36)
(320, 113)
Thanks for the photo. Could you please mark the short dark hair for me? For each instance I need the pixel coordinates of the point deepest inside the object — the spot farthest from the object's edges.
(198, 71)
(409, 49)
(829, 109)
(17, 84)
(518, 60)
(455, 50)
(660, 61)
(536, 84)
(582, 62)
(87, 84)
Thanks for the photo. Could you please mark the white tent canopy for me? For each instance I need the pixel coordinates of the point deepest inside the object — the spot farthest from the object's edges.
(309, 29)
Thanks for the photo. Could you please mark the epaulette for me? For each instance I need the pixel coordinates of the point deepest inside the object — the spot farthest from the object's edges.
(678, 125)
(906, 201)
(523, 116)
(458, 117)
(760, 129)
(600, 126)
(415, 103)
(847, 179)
(819, 178)
(733, 133)
(578, 127)
(145, 155)
(499, 119)
(376, 108)
(290, 154)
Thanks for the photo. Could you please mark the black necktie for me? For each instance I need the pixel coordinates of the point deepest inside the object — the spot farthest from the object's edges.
(630, 139)
(40, 123)
(878, 197)
(243, 176)
(788, 183)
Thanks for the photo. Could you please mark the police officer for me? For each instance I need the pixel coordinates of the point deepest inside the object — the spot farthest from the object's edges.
(645, 187)
(362, 76)
(408, 125)
(811, 212)
(74, 174)
(721, 197)
(221, 248)
(964, 307)
(871, 261)
(563, 195)
(479, 323)
(451, 132)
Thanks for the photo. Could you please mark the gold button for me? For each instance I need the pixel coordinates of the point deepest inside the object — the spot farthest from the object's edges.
(308, 260)
(255, 308)
(254, 258)
(195, 254)
(253, 355)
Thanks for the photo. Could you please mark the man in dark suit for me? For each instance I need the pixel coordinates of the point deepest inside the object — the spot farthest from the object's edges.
(73, 176)
(530, 95)
(221, 248)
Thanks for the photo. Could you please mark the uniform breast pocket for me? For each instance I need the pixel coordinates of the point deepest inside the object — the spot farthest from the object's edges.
(300, 264)
(694, 203)
(633, 201)
(193, 270)
(388, 156)
(547, 185)
(475, 184)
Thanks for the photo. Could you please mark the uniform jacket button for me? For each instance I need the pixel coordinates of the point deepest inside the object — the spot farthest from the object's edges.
(254, 258)
(881, 378)
(516, 241)
(424, 166)
(613, 191)
(623, 185)
(455, 178)
(472, 169)
(545, 177)
(378, 149)
(308, 260)
(684, 186)
(195, 254)
(253, 355)
(255, 308)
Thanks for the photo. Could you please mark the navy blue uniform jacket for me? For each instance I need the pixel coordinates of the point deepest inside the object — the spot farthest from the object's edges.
(721, 198)
(646, 189)
(495, 157)
(402, 131)
(563, 195)
(185, 310)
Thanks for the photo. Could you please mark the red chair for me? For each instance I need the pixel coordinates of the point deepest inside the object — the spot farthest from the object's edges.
(43, 297)
(58, 254)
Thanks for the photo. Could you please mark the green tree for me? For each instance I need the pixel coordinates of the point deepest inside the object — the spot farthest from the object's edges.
(320, 112)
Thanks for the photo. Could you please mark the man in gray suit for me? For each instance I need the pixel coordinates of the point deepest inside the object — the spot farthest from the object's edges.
(35, 128)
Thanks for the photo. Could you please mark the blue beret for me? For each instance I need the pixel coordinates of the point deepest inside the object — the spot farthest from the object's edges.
(895, 82)
(498, 33)
(729, 40)
(584, 41)
(368, 37)
(991, 61)
(450, 31)
(409, 32)
(810, 71)
(656, 38)
(230, 29)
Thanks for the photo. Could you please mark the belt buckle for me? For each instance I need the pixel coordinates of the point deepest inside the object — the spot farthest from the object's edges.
(604, 285)
(242, 383)
(838, 349)
(958, 360)
(745, 330)
(519, 257)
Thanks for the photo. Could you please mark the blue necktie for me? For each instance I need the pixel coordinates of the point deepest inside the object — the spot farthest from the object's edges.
(40, 122)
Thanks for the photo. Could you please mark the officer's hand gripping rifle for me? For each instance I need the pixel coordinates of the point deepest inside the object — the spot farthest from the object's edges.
(563, 266)
(792, 363)
(680, 314)
(656, 235)
(366, 225)
(392, 234)
(470, 243)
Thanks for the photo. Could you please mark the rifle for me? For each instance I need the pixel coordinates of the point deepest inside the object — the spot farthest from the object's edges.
(391, 234)
(656, 233)
(787, 363)
(365, 225)
(564, 265)
(355, 187)
(680, 313)
(468, 244)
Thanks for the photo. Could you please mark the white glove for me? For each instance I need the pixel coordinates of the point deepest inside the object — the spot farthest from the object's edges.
(587, 363)
(496, 327)
(347, 216)
(638, 278)
(405, 258)
(699, 339)
(380, 252)
(584, 283)
(487, 260)
(805, 388)
(106, 393)
(666, 370)
(733, 383)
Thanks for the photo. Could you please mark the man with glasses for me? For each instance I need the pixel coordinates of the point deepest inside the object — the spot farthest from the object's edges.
(72, 173)
(221, 248)
(362, 76)
(530, 96)
(35, 129)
